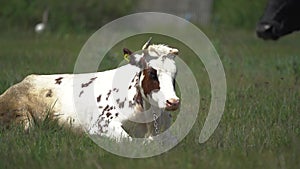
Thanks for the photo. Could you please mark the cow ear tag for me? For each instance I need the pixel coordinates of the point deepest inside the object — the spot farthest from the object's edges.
(126, 57)
(127, 54)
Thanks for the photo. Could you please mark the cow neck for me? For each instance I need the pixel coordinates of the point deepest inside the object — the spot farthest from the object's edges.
(138, 98)
(141, 99)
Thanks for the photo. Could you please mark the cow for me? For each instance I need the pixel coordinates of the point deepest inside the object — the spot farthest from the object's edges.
(101, 103)
(281, 17)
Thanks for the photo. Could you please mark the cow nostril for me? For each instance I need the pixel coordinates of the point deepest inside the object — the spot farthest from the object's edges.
(169, 102)
(267, 27)
(263, 28)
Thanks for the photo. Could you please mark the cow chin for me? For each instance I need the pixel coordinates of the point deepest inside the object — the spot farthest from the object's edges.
(171, 108)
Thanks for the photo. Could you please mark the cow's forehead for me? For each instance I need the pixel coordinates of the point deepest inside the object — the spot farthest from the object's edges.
(163, 65)
(161, 57)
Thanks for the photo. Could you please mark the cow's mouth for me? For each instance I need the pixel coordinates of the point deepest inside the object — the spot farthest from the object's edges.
(172, 104)
(267, 31)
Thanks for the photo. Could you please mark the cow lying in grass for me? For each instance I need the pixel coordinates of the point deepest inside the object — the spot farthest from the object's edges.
(102, 102)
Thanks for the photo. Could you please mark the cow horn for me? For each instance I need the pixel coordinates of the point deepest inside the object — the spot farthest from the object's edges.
(147, 44)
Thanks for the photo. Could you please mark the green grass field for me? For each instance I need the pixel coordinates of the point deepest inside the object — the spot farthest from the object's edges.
(260, 127)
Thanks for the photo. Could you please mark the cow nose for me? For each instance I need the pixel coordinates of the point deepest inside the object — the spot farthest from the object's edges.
(266, 31)
(263, 29)
(172, 104)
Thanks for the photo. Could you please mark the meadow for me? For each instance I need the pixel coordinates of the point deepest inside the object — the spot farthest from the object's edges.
(260, 127)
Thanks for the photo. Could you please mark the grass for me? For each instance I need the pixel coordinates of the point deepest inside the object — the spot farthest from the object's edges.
(260, 127)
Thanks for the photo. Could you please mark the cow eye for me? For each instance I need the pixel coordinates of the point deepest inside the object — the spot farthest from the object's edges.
(153, 75)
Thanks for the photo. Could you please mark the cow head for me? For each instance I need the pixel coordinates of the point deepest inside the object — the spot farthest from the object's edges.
(157, 75)
(281, 17)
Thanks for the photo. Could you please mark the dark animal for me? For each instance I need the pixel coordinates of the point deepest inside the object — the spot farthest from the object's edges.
(281, 17)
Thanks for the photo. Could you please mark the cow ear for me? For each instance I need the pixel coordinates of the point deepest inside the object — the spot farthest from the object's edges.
(126, 51)
(147, 44)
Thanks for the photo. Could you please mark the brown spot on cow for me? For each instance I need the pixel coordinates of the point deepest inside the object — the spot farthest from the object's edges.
(99, 98)
(108, 114)
(138, 98)
(88, 83)
(134, 78)
(111, 107)
(108, 94)
(121, 104)
(131, 104)
(93, 78)
(49, 93)
(106, 107)
(150, 81)
(81, 92)
(58, 80)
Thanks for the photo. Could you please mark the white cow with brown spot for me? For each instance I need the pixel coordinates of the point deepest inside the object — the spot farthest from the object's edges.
(101, 103)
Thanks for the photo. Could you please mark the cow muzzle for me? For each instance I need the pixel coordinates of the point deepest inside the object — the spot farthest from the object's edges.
(172, 104)
(267, 31)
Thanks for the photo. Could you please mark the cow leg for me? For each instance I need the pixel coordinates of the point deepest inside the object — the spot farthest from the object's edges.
(149, 132)
(27, 121)
(16, 117)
